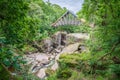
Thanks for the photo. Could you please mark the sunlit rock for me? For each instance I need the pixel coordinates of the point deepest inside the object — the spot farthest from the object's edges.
(55, 66)
(71, 48)
(76, 37)
(41, 73)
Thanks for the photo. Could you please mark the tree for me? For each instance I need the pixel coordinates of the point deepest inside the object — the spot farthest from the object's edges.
(105, 39)
(21, 23)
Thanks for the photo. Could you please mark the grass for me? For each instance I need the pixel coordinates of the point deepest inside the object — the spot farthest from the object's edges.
(80, 66)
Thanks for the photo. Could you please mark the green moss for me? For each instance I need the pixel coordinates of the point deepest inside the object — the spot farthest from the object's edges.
(64, 74)
(82, 66)
(74, 60)
(49, 72)
(52, 77)
(77, 56)
(28, 48)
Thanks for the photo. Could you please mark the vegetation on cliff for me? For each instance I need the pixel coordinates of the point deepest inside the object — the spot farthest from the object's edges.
(24, 22)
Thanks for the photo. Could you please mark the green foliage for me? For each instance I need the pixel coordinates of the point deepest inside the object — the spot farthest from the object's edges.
(52, 77)
(9, 59)
(80, 66)
(25, 21)
(115, 69)
(12, 19)
(104, 36)
(74, 29)
(102, 13)
(21, 23)
(3, 72)
(46, 13)
(64, 74)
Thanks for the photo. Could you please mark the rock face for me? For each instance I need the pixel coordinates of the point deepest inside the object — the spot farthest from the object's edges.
(76, 37)
(50, 45)
(42, 57)
(55, 42)
(47, 45)
(53, 47)
(41, 73)
(55, 66)
(37, 60)
(71, 48)
(59, 38)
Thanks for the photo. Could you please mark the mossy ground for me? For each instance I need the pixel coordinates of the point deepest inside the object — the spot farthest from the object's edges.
(82, 66)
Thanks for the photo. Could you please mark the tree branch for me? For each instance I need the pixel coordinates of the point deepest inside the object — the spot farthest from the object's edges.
(8, 72)
(112, 50)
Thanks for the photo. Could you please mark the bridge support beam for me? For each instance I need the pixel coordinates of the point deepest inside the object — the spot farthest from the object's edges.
(67, 19)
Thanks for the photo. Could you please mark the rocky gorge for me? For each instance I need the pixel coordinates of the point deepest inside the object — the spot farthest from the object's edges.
(49, 52)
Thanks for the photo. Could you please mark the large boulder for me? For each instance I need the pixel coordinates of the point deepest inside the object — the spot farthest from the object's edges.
(41, 73)
(41, 57)
(76, 37)
(69, 49)
(47, 45)
(56, 41)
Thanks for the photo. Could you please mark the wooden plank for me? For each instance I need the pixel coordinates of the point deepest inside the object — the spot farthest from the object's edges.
(61, 17)
(62, 20)
(68, 18)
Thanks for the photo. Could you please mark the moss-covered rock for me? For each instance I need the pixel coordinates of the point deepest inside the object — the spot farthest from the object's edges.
(49, 72)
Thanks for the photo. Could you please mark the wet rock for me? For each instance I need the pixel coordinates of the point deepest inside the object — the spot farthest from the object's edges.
(59, 38)
(82, 48)
(32, 68)
(57, 51)
(36, 69)
(55, 66)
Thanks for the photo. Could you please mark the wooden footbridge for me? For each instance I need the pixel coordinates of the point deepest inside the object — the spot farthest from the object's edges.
(69, 18)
